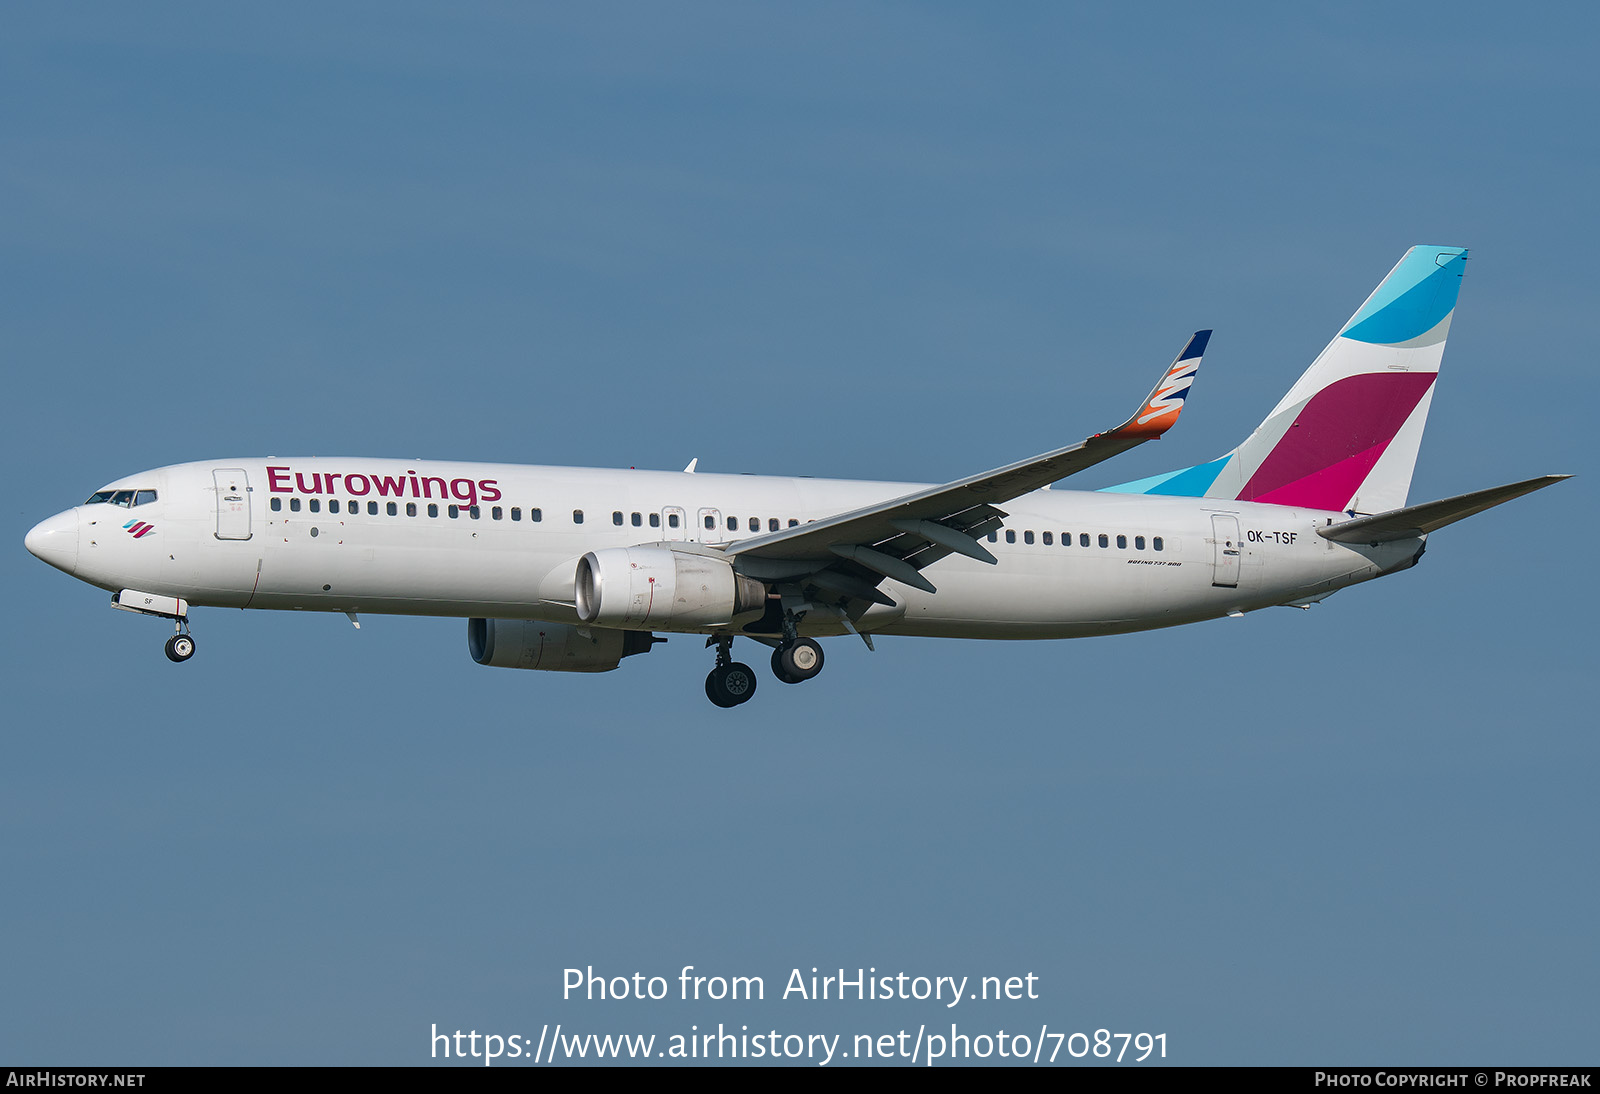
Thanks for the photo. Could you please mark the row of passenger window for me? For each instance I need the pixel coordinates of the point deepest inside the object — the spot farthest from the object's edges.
(1084, 540)
(392, 509)
(773, 524)
(673, 519)
(618, 518)
(637, 520)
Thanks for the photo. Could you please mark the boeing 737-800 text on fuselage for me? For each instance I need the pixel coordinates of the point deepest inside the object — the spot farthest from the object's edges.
(574, 569)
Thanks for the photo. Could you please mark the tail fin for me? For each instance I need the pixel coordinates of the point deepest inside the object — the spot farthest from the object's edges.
(1346, 435)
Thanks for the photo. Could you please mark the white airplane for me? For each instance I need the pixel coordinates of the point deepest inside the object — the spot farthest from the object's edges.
(574, 569)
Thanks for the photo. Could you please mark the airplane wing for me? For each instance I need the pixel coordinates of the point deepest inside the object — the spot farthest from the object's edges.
(849, 553)
(1416, 520)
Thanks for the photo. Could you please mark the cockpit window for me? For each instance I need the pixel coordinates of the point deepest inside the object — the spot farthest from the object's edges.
(125, 498)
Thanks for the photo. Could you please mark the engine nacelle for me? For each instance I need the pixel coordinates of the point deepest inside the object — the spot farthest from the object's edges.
(662, 589)
(552, 647)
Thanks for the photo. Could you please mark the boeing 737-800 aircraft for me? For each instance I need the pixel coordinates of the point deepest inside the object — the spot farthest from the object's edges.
(572, 569)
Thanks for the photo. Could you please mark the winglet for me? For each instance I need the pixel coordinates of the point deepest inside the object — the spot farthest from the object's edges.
(1165, 402)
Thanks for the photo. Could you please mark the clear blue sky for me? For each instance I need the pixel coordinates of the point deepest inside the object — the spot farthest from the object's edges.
(872, 240)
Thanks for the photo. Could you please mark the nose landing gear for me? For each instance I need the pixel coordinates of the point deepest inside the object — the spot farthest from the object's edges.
(180, 647)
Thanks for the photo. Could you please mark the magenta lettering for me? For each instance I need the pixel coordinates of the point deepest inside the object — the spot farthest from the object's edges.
(469, 492)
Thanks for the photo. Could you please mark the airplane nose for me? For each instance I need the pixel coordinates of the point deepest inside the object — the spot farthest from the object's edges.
(56, 541)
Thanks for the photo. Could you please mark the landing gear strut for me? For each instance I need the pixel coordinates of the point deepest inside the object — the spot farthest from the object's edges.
(180, 647)
(730, 683)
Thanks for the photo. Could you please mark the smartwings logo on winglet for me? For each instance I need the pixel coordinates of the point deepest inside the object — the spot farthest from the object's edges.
(138, 529)
(1173, 391)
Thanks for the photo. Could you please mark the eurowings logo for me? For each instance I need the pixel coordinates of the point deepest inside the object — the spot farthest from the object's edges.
(1171, 391)
(138, 529)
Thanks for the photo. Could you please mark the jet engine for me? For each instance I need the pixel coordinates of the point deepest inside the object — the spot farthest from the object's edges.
(663, 589)
(553, 647)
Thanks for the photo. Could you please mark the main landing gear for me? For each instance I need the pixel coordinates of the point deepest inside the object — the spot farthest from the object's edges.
(797, 661)
(794, 661)
(180, 647)
(730, 683)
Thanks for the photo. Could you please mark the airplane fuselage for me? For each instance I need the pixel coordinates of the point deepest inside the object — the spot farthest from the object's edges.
(503, 541)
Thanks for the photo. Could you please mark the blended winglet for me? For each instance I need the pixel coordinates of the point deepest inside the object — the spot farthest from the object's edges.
(1161, 408)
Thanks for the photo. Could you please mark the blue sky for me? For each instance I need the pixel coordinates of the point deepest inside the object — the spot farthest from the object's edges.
(863, 240)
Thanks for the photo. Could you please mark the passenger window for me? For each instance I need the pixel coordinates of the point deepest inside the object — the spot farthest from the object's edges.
(433, 509)
(1083, 539)
(314, 505)
(711, 524)
(1011, 535)
(1138, 543)
(755, 524)
(277, 504)
(772, 524)
(294, 505)
(994, 537)
(793, 523)
(655, 520)
(474, 512)
(372, 508)
(536, 515)
(616, 518)
(411, 508)
(1122, 543)
(454, 511)
(497, 513)
(333, 506)
(1049, 540)
(393, 509)
(672, 520)
(516, 512)
(1104, 540)
(577, 516)
(144, 497)
(1157, 544)
(733, 524)
(1027, 537)
(636, 520)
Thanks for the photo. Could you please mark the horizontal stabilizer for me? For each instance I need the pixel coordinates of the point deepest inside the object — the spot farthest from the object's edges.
(1416, 520)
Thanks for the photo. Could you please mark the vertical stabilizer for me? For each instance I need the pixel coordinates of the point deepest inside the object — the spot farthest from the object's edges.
(1346, 435)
